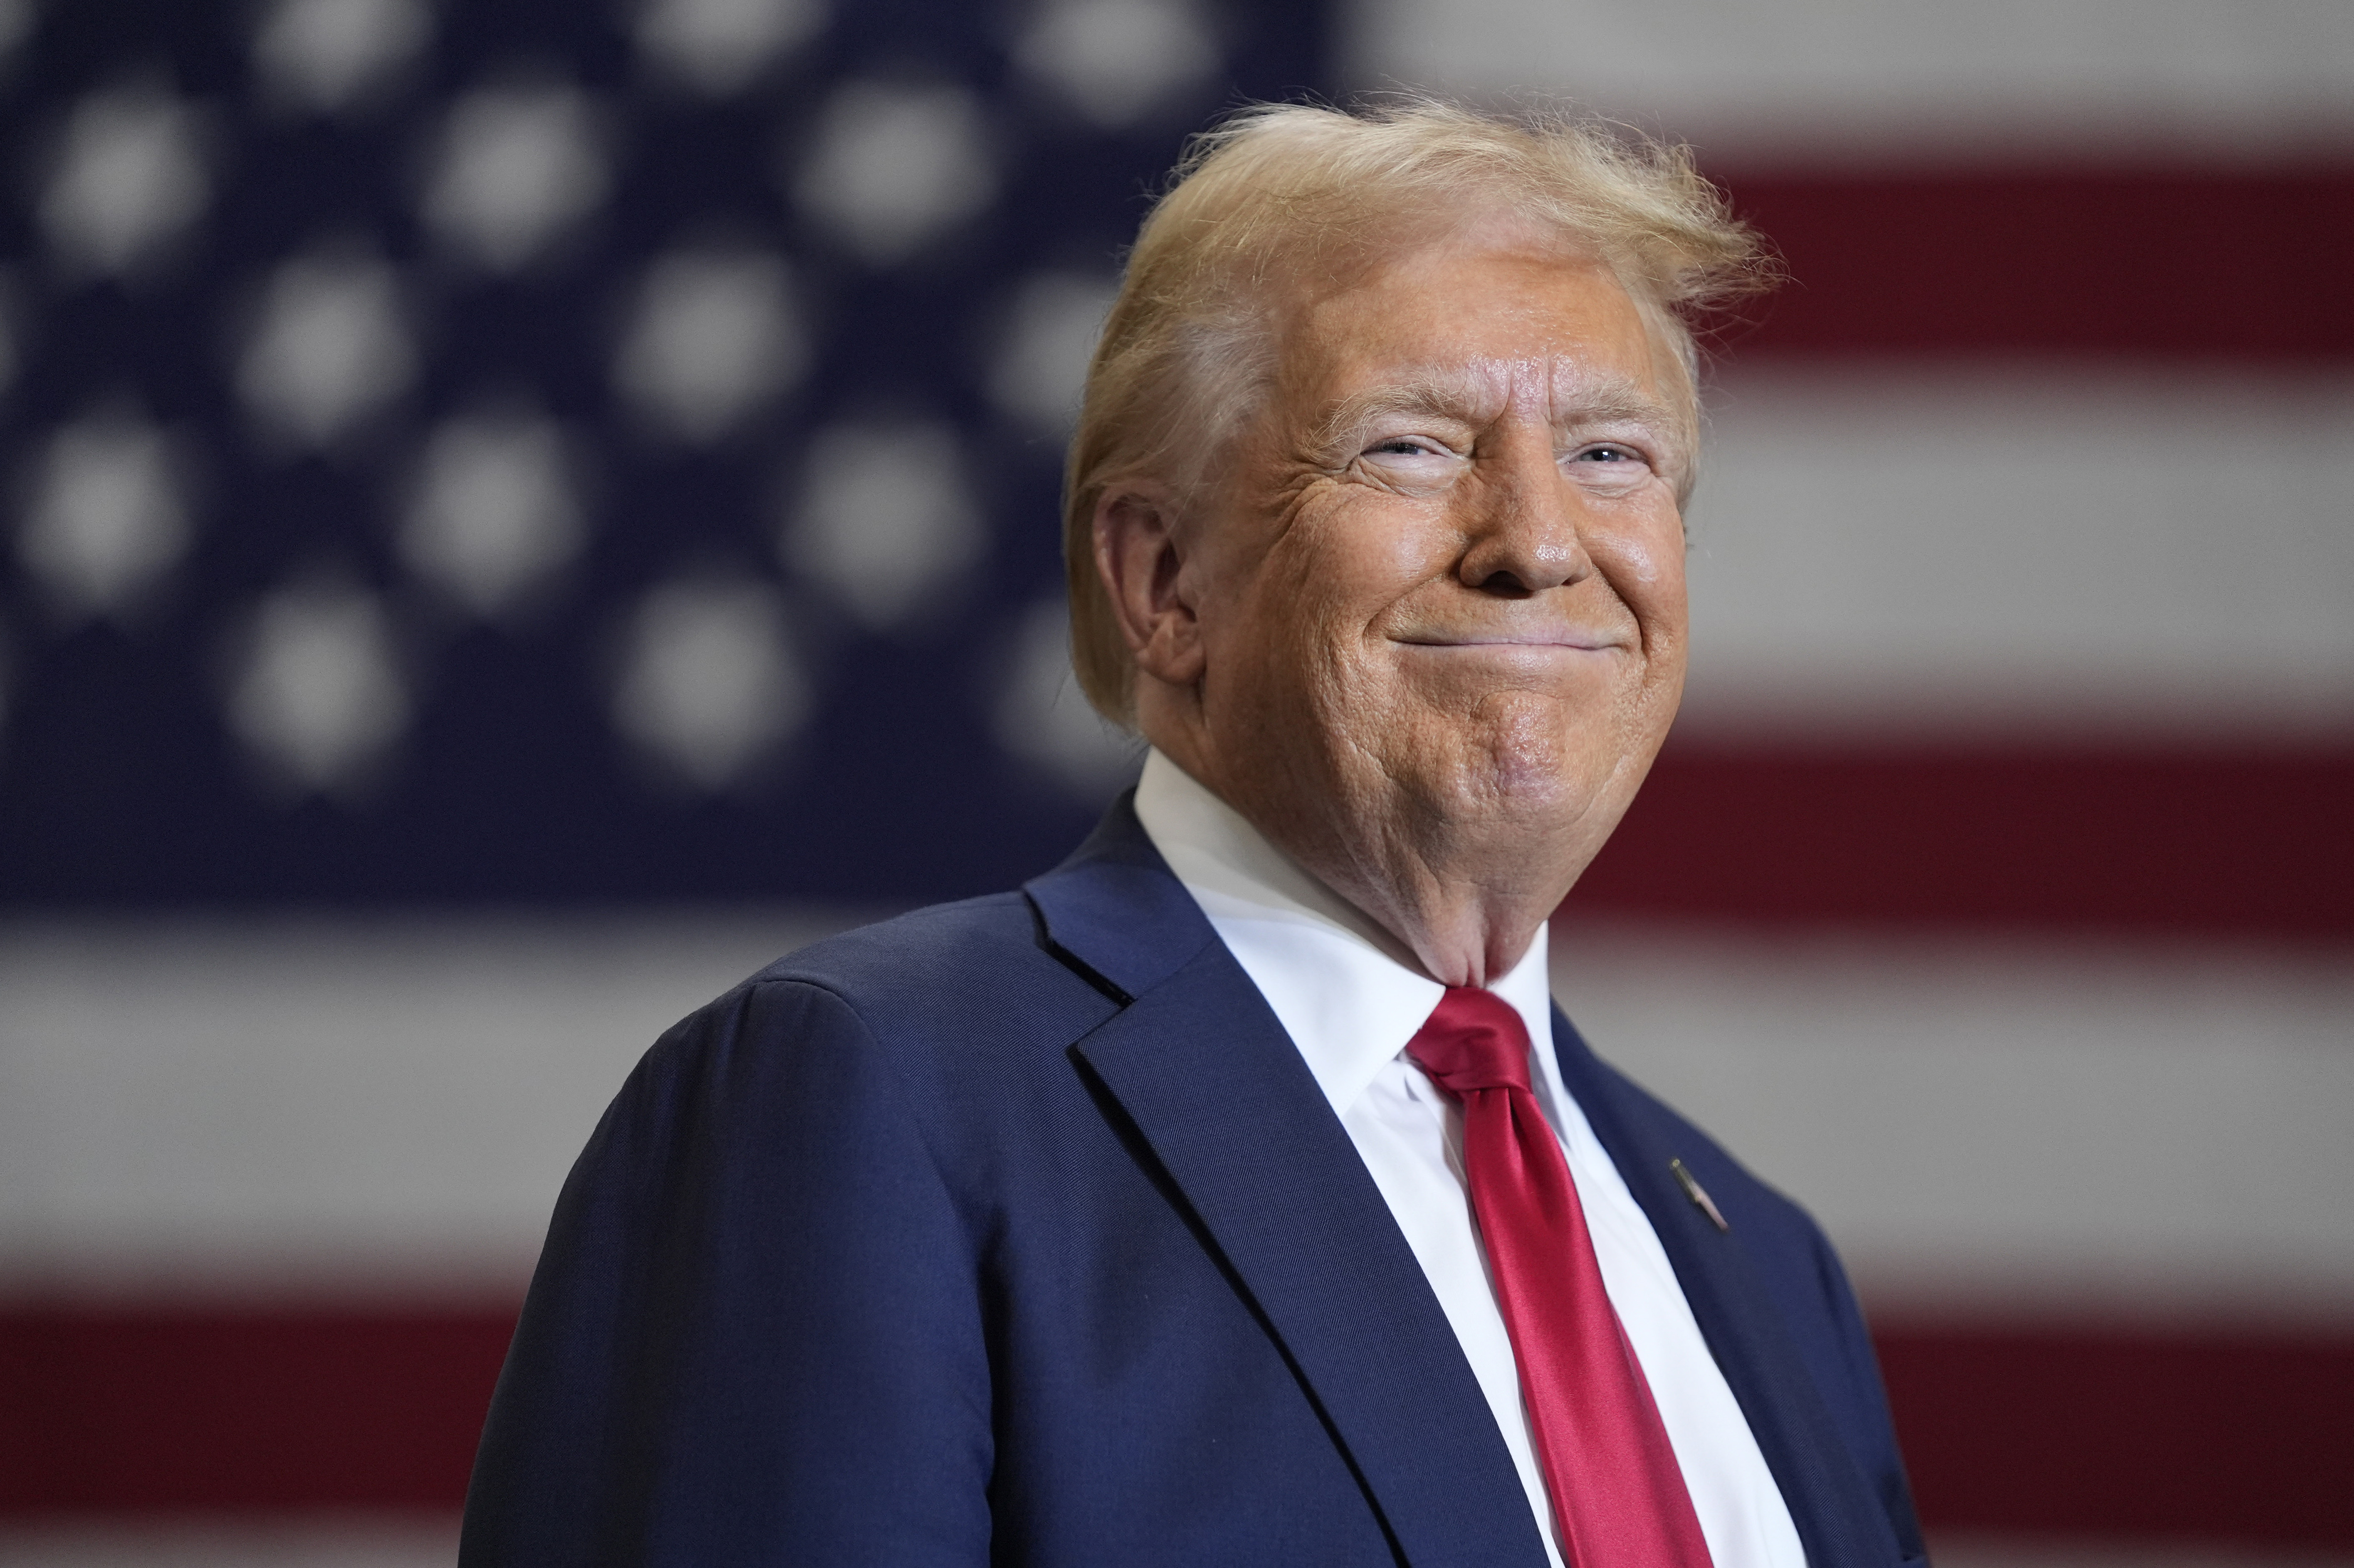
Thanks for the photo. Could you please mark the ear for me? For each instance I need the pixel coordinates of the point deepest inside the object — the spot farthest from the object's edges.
(1141, 562)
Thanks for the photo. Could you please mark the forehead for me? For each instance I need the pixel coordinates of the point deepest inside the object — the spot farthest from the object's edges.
(1491, 321)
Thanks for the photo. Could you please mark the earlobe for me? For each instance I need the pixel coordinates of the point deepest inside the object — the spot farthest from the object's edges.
(1140, 561)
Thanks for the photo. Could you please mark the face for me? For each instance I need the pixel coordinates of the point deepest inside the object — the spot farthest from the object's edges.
(1440, 601)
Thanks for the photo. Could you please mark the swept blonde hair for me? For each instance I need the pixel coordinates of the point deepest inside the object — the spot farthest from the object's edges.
(1277, 190)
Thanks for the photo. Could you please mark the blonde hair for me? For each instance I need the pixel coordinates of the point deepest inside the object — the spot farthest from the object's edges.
(1278, 189)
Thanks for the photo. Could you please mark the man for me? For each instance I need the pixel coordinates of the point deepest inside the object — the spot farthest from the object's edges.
(1233, 1193)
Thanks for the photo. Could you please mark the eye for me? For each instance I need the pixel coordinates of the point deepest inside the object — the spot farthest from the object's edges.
(1412, 459)
(1607, 452)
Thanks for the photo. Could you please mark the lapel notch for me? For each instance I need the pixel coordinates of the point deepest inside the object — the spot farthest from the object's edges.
(1116, 912)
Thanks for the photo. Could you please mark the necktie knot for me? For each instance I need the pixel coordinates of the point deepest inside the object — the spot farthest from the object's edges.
(1473, 1039)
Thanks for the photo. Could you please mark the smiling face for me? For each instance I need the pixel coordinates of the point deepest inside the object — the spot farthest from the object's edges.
(1429, 628)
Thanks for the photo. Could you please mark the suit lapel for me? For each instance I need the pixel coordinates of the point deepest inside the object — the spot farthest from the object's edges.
(1221, 1095)
(1839, 1518)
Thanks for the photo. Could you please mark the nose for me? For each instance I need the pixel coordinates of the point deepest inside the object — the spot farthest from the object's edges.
(1521, 522)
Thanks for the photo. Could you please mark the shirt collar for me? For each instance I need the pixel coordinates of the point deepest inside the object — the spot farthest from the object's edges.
(1348, 992)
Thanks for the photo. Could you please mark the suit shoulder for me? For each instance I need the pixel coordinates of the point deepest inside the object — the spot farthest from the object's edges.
(980, 952)
(996, 928)
(951, 980)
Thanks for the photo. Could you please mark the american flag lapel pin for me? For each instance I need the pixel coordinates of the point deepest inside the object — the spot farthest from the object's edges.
(1697, 1193)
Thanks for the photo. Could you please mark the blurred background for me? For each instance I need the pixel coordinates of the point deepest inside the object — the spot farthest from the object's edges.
(513, 514)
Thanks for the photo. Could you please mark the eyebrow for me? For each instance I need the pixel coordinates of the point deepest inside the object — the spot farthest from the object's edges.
(1610, 400)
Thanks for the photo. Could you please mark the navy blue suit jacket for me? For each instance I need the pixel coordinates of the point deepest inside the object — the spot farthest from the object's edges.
(1016, 1232)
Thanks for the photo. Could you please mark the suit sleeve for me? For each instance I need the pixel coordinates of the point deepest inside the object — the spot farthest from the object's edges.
(755, 1334)
(1861, 1408)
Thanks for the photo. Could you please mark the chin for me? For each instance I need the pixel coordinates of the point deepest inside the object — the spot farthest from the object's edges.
(1522, 778)
(1539, 749)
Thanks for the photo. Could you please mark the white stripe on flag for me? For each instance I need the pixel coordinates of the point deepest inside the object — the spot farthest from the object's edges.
(2008, 551)
(1851, 82)
(392, 1106)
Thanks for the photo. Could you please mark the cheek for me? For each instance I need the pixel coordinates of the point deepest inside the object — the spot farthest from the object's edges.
(1368, 551)
(1337, 571)
(1644, 559)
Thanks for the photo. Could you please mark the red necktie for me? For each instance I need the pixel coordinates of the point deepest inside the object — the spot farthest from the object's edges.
(1619, 1498)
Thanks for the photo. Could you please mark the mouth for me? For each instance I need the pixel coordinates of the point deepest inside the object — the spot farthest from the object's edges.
(1534, 642)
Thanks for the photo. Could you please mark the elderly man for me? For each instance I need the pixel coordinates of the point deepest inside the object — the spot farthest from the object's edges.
(1233, 1193)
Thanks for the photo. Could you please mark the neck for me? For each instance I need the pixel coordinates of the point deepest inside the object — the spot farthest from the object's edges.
(1465, 900)
(1466, 906)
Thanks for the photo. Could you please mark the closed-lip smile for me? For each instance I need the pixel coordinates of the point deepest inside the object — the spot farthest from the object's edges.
(1550, 637)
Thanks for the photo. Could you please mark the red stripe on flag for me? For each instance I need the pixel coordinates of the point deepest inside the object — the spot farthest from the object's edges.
(2083, 1430)
(2209, 264)
(2240, 1439)
(2254, 843)
(173, 1410)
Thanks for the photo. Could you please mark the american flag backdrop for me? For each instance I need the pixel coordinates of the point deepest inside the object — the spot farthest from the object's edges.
(561, 451)
(515, 513)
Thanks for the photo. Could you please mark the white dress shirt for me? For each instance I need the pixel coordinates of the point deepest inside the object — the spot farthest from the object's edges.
(1350, 996)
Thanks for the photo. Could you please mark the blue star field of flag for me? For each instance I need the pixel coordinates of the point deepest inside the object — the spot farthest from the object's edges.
(525, 450)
